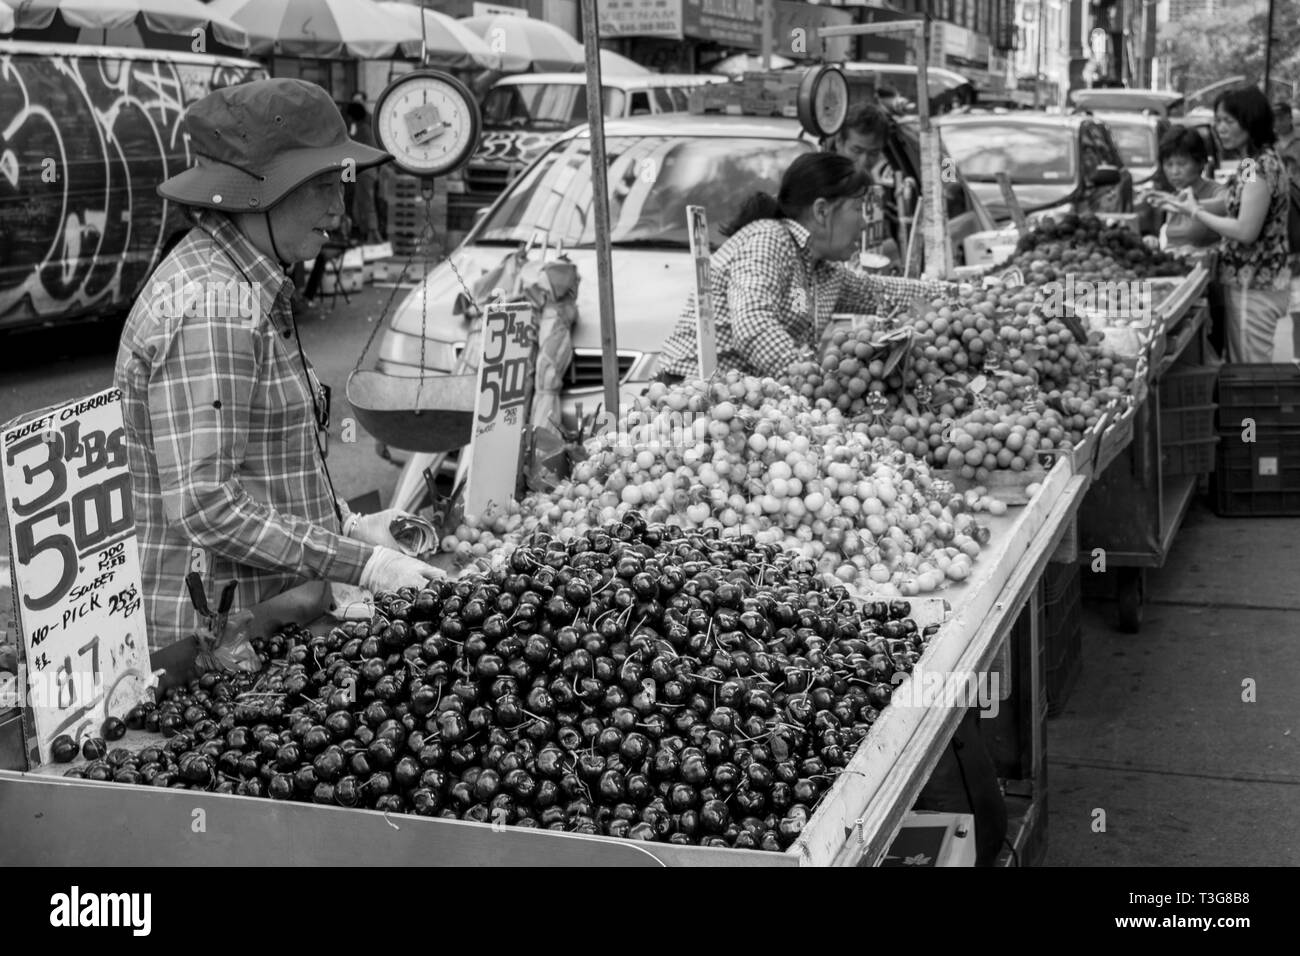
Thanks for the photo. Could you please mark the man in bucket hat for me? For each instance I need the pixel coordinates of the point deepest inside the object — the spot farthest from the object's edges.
(225, 419)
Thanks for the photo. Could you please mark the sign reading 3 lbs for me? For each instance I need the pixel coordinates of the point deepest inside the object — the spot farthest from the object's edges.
(68, 528)
(504, 379)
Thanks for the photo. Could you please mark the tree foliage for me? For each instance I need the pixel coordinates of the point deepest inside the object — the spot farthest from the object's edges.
(1230, 42)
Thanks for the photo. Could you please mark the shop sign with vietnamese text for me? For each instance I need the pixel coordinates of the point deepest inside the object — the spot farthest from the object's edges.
(736, 23)
(641, 18)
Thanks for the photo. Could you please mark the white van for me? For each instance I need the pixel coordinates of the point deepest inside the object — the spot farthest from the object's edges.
(86, 135)
(523, 115)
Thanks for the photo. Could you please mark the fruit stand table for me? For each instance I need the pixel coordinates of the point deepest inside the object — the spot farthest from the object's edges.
(1135, 506)
(51, 819)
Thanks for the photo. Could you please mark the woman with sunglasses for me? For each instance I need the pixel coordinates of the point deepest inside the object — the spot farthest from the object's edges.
(1253, 246)
(781, 275)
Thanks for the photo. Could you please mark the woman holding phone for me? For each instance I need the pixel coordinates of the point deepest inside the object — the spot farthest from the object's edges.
(1253, 247)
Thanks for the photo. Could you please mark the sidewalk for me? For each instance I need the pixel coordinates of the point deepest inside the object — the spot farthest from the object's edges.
(1155, 732)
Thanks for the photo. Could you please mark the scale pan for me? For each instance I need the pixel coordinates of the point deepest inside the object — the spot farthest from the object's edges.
(385, 405)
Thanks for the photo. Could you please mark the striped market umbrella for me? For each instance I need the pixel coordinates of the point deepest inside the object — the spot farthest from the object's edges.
(161, 16)
(319, 28)
(524, 43)
(448, 44)
(615, 64)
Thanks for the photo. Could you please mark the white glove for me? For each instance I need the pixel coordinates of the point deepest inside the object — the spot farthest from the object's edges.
(388, 570)
(374, 529)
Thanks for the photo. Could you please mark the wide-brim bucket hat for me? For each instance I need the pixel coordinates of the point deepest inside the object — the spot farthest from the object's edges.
(254, 143)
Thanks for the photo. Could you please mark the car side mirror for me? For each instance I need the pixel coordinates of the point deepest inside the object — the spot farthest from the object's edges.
(480, 214)
(1105, 175)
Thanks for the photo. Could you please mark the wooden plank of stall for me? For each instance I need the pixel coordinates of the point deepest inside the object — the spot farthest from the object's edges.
(892, 742)
(1013, 203)
(59, 821)
(600, 208)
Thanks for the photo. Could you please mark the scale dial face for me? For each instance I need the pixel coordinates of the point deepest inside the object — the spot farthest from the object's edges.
(823, 101)
(429, 121)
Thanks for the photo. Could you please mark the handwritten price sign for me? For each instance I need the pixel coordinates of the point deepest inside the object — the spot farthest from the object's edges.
(504, 384)
(67, 494)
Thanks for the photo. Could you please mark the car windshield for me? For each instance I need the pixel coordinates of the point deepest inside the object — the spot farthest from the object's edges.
(1027, 154)
(543, 106)
(1136, 143)
(652, 179)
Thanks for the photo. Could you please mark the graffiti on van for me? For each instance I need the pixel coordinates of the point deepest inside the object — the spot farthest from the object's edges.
(513, 147)
(84, 141)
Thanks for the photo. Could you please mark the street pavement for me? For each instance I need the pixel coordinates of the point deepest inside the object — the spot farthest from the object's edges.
(1156, 734)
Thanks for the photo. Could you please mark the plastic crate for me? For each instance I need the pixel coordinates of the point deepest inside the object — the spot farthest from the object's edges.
(1189, 457)
(1188, 386)
(1179, 425)
(1269, 394)
(1259, 478)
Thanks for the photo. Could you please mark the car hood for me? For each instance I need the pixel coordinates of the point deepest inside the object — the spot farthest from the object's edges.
(644, 321)
(1032, 196)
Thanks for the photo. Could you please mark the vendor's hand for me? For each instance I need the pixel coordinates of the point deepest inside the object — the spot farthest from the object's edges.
(1183, 203)
(374, 529)
(388, 570)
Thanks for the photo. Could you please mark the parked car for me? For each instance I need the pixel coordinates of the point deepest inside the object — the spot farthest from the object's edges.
(523, 115)
(1137, 136)
(713, 161)
(1122, 100)
(948, 89)
(1056, 163)
(88, 133)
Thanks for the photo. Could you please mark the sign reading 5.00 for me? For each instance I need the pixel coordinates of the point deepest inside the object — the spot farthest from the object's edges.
(504, 380)
(67, 494)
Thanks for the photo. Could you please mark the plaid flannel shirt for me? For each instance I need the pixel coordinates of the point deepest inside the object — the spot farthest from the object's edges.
(770, 304)
(220, 435)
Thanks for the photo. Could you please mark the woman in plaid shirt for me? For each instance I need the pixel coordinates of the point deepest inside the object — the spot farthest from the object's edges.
(223, 413)
(781, 275)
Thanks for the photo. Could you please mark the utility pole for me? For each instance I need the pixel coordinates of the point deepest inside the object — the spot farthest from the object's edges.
(1268, 50)
(766, 45)
(1038, 55)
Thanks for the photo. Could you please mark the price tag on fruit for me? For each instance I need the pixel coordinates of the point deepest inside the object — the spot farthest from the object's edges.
(500, 413)
(76, 568)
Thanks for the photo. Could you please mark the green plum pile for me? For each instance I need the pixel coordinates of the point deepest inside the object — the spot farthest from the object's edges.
(991, 382)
